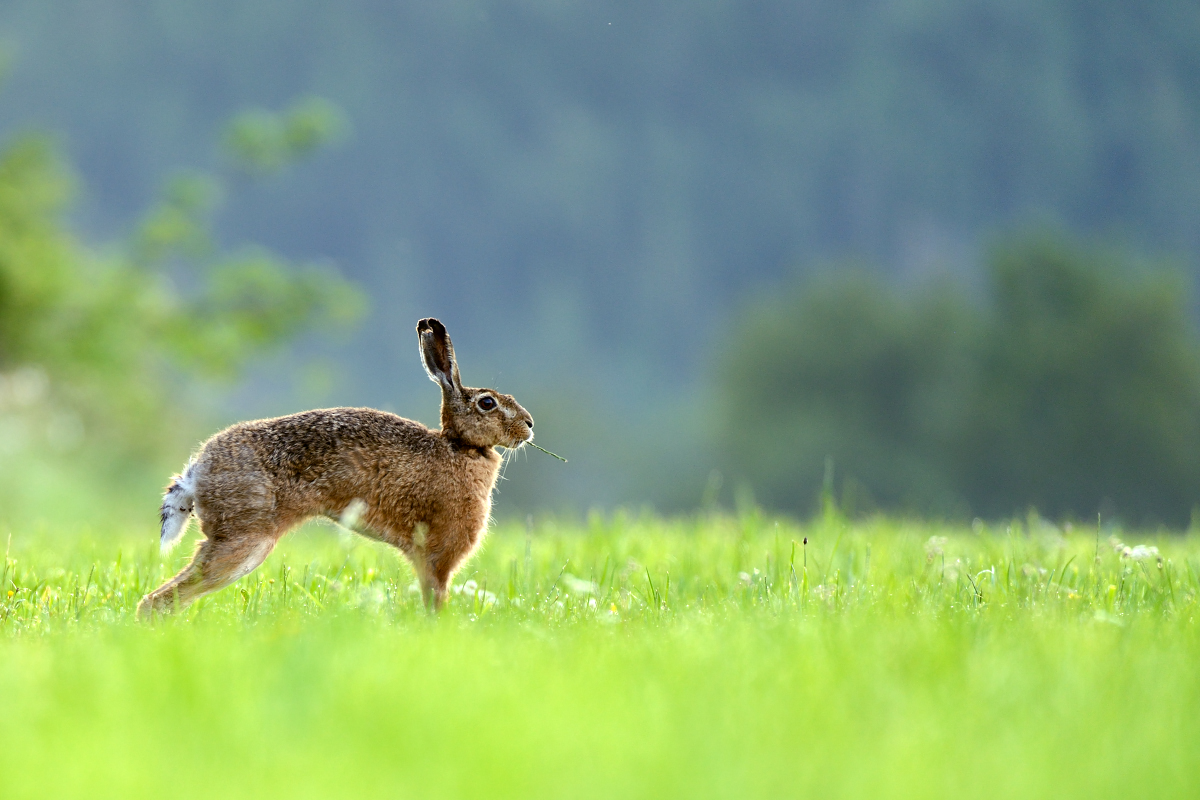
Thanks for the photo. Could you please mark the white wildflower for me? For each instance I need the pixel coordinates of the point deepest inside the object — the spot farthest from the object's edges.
(470, 589)
(1140, 553)
(934, 547)
(824, 592)
(578, 585)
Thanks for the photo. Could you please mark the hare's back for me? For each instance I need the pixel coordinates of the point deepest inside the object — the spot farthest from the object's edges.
(310, 444)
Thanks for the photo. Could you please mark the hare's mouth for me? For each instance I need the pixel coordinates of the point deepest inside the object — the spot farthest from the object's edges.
(515, 441)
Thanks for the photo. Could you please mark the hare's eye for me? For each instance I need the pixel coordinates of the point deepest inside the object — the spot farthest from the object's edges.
(486, 403)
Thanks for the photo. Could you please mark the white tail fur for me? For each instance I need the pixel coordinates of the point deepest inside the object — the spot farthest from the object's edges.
(177, 507)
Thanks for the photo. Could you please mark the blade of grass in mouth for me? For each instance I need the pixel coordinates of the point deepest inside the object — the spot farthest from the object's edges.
(547, 452)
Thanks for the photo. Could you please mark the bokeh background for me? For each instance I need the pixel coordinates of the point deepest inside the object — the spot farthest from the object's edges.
(913, 256)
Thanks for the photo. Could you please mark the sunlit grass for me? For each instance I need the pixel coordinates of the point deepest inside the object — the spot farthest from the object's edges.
(624, 656)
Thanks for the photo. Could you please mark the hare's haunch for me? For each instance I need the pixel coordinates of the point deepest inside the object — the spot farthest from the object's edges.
(426, 492)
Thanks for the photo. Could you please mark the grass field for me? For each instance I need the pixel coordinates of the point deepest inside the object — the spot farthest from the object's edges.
(625, 657)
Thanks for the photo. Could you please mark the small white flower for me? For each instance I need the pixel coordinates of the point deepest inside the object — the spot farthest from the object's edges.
(578, 585)
(824, 592)
(934, 547)
(470, 589)
(369, 598)
(1140, 553)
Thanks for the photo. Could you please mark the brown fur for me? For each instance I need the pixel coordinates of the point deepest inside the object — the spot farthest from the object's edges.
(425, 492)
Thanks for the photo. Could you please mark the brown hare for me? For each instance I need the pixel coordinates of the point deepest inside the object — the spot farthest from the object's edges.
(425, 492)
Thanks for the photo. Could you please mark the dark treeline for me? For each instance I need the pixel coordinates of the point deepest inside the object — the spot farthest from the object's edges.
(1074, 387)
(585, 191)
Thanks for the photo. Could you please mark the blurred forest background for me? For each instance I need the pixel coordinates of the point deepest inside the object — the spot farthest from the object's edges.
(934, 257)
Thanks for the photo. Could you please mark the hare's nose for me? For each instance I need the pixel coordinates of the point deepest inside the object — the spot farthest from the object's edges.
(529, 422)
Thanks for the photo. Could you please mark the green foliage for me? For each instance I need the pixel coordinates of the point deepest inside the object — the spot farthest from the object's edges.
(847, 369)
(261, 142)
(1089, 391)
(97, 345)
(627, 657)
(1075, 388)
(247, 301)
(36, 256)
(255, 300)
(75, 327)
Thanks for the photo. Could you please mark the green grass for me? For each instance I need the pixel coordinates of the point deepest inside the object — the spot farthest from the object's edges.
(626, 657)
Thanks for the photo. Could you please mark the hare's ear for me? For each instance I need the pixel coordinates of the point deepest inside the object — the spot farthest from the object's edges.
(437, 354)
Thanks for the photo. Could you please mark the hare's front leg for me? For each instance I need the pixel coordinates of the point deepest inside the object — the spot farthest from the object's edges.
(218, 562)
(435, 584)
(433, 591)
(444, 557)
(435, 551)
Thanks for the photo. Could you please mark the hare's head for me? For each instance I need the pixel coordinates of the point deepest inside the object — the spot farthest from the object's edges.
(477, 417)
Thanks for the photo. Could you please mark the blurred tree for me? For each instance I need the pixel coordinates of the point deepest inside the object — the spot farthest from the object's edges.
(1089, 387)
(96, 346)
(260, 142)
(1077, 387)
(848, 369)
(36, 256)
(246, 301)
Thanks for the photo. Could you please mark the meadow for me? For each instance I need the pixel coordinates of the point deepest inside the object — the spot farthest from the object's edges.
(622, 656)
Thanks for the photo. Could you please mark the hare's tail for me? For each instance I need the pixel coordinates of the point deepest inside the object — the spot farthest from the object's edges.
(177, 506)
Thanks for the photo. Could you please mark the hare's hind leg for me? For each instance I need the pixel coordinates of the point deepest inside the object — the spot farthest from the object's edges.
(218, 562)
